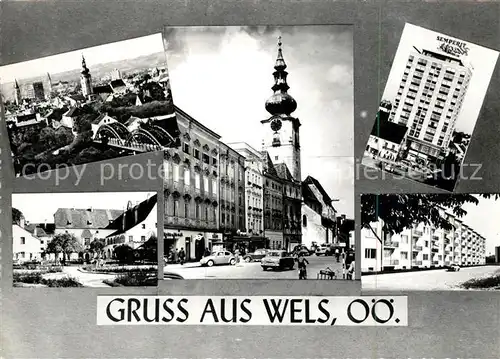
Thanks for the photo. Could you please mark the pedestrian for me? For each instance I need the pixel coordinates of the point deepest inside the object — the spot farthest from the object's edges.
(176, 255)
(348, 259)
(182, 256)
(207, 252)
(350, 271)
(237, 255)
(337, 254)
(302, 265)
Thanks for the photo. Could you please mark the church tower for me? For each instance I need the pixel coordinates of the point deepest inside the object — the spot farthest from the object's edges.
(49, 83)
(281, 139)
(17, 94)
(85, 79)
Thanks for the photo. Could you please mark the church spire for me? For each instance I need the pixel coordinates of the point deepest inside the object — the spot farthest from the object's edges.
(85, 70)
(280, 103)
(17, 93)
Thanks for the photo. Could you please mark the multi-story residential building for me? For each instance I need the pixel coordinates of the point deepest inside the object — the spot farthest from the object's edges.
(319, 217)
(254, 214)
(232, 192)
(273, 205)
(191, 188)
(38, 90)
(428, 102)
(422, 246)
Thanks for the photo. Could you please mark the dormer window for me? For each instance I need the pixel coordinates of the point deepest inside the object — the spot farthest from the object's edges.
(89, 222)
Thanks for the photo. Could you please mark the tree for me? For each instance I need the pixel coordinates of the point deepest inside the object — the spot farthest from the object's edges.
(64, 243)
(124, 254)
(402, 211)
(97, 245)
(17, 215)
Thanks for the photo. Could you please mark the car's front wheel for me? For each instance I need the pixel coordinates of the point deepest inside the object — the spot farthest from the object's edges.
(264, 268)
(210, 263)
(248, 259)
(232, 261)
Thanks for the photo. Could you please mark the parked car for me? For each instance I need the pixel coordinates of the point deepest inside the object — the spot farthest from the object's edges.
(277, 259)
(218, 258)
(255, 256)
(301, 249)
(454, 268)
(324, 250)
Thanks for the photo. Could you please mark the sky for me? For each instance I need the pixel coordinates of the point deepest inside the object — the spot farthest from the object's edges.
(40, 207)
(67, 61)
(222, 76)
(482, 59)
(483, 218)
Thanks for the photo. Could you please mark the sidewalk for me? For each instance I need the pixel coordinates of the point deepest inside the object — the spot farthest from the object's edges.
(185, 265)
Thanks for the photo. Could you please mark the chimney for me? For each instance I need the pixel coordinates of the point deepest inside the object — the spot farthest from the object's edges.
(21, 222)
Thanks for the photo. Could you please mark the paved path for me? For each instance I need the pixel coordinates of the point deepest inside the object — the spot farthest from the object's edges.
(252, 270)
(438, 279)
(86, 279)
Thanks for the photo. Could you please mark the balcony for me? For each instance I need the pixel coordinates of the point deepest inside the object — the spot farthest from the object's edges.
(417, 248)
(418, 233)
(391, 244)
(391, 262)
(418, 263)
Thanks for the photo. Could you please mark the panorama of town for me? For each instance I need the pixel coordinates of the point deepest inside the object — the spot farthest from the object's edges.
(231, 211)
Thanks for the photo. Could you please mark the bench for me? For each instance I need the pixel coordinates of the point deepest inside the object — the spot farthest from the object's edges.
(326, 274)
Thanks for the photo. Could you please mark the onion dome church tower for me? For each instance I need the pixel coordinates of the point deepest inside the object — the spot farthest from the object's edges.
(281, 139)
(85, 79)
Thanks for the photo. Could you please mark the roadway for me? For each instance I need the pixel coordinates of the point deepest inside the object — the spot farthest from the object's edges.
(252, 270)
(438, 279)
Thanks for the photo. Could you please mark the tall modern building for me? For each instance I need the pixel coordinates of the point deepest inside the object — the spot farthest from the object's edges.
(429, 101)
(422, 246)
(38, 90)
(85, 79)
(49, 86)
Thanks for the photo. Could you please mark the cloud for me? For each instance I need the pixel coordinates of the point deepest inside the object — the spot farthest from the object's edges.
(340, 74)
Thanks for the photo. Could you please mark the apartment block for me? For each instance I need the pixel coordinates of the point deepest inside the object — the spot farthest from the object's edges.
(422, 246)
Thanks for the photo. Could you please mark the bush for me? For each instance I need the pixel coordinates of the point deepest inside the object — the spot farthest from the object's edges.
(63, 282)
(137, 279)
(36, 278)
(120, 269)
(30, 278)
(483, 283)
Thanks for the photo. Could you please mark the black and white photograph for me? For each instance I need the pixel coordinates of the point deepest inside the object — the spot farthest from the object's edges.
(246, 196)
(430, 242)
(88, 105)
(429, 108)
(101, 239)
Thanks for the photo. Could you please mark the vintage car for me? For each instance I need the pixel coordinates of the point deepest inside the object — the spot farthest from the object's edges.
(324, 250)
(453, 268)
(255, 256)
(218, 258)
(277, 259)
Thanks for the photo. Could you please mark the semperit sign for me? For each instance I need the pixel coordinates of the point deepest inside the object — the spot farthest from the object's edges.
(453, 47)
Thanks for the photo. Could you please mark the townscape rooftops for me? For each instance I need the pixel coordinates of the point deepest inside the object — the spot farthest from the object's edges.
(77, 97)
(117, 83)
(40, 229)
(389, 131)
(133, 216)
(268, 164)
(28, 117)
(283, 171)
(85, 218)
(102, 89)
(311, 180)
(57, 113)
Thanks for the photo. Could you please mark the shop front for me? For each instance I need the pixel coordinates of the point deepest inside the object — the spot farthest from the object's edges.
(194, 243)
(246, 244)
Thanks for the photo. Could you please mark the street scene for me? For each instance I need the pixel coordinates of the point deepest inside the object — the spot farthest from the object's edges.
(429, 107)
(71, 240)
(89, 105)
(245, 195)
(430, 242)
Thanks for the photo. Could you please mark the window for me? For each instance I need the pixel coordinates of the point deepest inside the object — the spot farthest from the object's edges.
(176, 207)
(426, 257)
(304, 220)
(187, 177)
(404, 255)
(370, 253)
(206, 213)
(196, 153)
(197, 211)
(206, 159)
(185, 148)
(143, 226)
(214, 161)
(404, 239)
(275, 158)
(197, 180)
(186, 208)
(143, 238)
(205, 184)
(176, 173)
(23, 240)
(130, 238)
(426, 244)
(214, 187)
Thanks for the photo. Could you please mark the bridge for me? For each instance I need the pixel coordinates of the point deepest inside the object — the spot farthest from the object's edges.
(143, 139)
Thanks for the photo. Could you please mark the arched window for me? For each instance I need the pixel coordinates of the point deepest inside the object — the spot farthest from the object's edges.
(304, 220)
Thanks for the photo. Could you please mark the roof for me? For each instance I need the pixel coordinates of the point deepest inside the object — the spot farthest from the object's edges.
(85, 218)
(311, 180)
(57, 113)
(102, 89)
(73, 112)
(283, 171)
(133, 216)
(77, 97)
(268, 164)
(178, 111)
(40, 229)
(22, 118)
(99, 118)
(117, 83)
(308, 195)
(389, 131)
